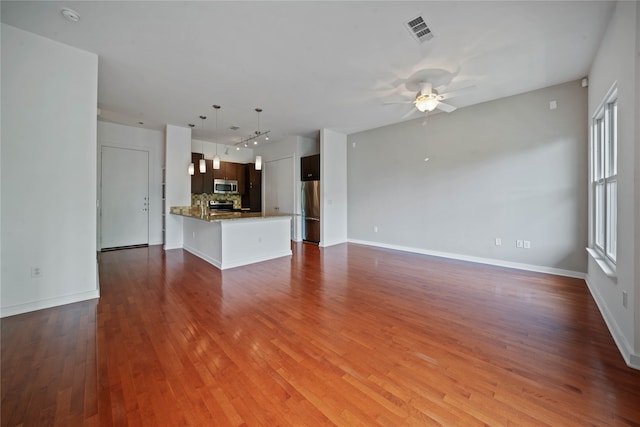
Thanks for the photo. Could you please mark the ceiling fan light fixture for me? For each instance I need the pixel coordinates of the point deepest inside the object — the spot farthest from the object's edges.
(426, 103)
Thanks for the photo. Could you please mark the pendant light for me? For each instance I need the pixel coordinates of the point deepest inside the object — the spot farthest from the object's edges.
(216, 158)
(192, 167)
(203, 163)
(255, 142)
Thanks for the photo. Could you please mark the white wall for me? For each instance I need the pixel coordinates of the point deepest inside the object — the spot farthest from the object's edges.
(512, 169)
(49, 98)
(636, 198)
(617, 61)
(243, 155)
(292, 147)
(178, 181)
(333, 187)
(151, 141)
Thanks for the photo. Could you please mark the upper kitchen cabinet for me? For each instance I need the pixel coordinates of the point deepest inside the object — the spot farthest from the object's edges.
(197, 179)
(228, 170)
(207, 181)
(310, 168)
(201, 182)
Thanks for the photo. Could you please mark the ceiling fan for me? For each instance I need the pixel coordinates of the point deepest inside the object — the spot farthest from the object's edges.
(428, 99)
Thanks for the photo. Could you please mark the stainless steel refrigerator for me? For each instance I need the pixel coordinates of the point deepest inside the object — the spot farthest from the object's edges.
(311, 211)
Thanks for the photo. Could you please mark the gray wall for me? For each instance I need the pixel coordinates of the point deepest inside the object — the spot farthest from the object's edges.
(510, 169)
(617, 61)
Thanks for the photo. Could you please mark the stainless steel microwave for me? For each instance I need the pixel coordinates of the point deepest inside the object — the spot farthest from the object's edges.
(225, 186)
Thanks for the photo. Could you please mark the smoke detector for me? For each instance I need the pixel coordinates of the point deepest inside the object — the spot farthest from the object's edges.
(70, 14)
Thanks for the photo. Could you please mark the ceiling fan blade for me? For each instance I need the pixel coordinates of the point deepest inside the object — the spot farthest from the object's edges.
(445, 107)
(410, 112)
(398, 103)
(455, 92)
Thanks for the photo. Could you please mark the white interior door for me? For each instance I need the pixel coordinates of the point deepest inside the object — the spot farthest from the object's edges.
(278, 185)
(125, 197)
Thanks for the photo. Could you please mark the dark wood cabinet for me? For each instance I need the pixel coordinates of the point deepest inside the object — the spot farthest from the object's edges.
(252, 197)
(201, 182)
(310, 168)
(220, 173)
(228, 170)
(207, 180)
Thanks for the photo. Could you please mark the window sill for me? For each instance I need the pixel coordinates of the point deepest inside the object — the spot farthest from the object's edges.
(604, 266)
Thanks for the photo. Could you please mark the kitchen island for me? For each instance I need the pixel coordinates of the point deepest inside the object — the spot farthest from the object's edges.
(232, 239)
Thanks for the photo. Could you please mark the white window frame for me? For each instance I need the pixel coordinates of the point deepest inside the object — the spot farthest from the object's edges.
(604, 179)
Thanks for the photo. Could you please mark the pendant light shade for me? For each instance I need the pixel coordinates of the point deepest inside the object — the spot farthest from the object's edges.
(192, 167)
(258, 163)
(216, 158)
(203, 163)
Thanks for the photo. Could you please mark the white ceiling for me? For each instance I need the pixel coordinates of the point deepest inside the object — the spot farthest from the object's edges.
(312, 65)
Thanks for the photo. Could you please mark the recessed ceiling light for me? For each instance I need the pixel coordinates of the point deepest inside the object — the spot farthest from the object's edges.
(70, 15)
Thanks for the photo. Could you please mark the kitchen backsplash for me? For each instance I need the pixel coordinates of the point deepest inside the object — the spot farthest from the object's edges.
(197, 199)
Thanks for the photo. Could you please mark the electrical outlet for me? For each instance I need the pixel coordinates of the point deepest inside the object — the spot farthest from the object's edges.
(624, 299)
(36, 272)
(498, 241)
(519, 243)
(527, 244)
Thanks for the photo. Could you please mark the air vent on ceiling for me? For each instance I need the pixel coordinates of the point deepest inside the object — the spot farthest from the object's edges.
(419, 29)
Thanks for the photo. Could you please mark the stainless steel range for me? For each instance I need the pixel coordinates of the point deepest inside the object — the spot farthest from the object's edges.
(221, 205)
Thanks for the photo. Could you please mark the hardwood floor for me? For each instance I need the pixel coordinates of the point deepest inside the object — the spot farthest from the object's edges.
(347, 335)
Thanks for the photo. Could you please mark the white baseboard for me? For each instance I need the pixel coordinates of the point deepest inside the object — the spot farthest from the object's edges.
(216, 263)
(168, 247)
(48, 303)
(326, 244)
(253, 260)
(624, 347)
(480, 260)
(238, 262)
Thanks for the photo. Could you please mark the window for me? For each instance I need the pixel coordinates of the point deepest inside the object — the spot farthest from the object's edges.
(604, 155)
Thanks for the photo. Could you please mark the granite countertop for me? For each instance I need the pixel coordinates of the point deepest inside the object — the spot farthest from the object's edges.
(213, 215)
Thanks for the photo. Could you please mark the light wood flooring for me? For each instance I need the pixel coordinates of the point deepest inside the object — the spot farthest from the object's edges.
(347, 335)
